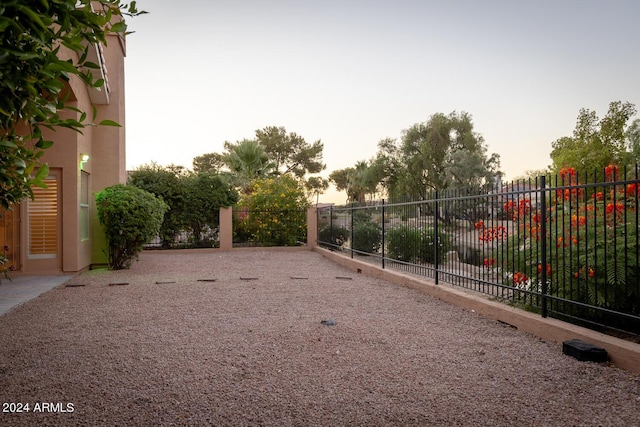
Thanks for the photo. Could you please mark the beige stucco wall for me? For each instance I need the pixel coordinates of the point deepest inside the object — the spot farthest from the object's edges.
(105, 146)
(108, 156)
(63, 159)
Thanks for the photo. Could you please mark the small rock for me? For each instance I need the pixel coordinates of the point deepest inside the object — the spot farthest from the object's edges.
(328, 322)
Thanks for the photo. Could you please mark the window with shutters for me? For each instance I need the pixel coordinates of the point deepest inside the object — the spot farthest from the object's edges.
(43, 220)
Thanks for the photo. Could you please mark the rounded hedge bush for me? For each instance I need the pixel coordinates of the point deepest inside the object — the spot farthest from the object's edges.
(131, 217)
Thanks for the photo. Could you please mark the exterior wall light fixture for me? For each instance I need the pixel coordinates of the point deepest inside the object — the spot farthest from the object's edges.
(84, 158)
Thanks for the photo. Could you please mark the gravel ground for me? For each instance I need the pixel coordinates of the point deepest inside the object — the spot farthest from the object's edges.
(254, 352)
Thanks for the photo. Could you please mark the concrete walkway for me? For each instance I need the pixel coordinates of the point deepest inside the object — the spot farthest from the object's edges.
(23, 288)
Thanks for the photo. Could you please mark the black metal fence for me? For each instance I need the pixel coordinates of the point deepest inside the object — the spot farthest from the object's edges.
(208, 238)
(560, 248)
(269, 227)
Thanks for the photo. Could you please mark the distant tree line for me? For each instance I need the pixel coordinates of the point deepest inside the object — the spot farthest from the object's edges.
(444, 152)
(246, 173)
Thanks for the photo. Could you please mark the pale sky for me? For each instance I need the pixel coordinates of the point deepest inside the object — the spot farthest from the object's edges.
(351, 72)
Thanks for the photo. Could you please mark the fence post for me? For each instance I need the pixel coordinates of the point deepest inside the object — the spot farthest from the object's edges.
(312, 226)
(226, 228)
(436, 238)
(331, 225)
(543, 241)
(351, 245)
(382, 233)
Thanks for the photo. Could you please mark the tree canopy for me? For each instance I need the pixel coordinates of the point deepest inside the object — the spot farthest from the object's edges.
(210, 162)
(271, 153)
(167, 184)
(247, 160)
(444, 152)
(34, 76)
(289, 152)
(194, 199)
(597, 143)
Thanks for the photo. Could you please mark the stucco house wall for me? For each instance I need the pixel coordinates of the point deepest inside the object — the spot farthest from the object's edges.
(78, 249)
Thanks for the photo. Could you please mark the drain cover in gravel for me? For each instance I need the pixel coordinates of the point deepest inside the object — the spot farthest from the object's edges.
(161, 282)
(248, 278)
(207, 280)
(119, 284)
(344, 278)
(74, 285)
(328, 322)
(299, 278)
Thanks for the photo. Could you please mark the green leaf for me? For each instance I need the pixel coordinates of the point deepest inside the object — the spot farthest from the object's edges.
(119, 27)
(8, 144)
(42, 173)
(109, 123)
(43, 144)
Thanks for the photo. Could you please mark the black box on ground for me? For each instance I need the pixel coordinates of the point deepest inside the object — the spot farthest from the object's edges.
(584, 351)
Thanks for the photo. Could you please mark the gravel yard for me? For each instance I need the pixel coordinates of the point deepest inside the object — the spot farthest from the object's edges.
(175, 347)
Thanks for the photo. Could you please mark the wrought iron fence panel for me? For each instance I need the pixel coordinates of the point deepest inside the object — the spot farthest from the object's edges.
(558, 247)
(209, 238)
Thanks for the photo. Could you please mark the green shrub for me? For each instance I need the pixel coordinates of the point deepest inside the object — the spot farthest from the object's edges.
(167, 183)
(428, 239)
(333, 237)
(367, 237)
(403, 243)
(410, 244)
(274, 212)
(131, 217)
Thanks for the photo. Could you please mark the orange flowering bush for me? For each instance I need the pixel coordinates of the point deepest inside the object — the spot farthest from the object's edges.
(592, 243)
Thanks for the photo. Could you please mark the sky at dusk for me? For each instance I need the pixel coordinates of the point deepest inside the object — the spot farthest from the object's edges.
(350, 73)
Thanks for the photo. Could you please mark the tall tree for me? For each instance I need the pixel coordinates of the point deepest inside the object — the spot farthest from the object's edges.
(34, 85)
(206, 193)
(210, 162)
(633, 142)
(359, 181)
(596, 142)
(340, 178)
(441, 153)
(290, 153)
(473, 171)
(316, 185)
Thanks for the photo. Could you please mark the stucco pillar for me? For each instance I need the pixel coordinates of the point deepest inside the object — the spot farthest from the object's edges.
(312, 226)
(226, 228)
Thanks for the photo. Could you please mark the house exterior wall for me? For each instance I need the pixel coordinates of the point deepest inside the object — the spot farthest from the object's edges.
(105, 146)
(108, 145)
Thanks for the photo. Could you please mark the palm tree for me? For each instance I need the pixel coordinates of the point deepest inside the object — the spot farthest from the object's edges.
(247, 160)
(357, 185)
